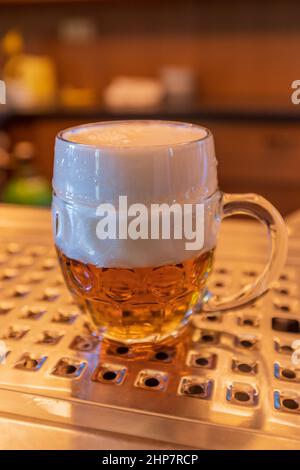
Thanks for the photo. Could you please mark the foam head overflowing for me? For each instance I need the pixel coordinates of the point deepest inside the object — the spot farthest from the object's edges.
(148, 162)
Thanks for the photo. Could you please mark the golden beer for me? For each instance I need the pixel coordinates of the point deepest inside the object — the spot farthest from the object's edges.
(138, 303)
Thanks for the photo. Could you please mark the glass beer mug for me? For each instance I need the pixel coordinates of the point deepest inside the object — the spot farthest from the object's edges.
(136, 215)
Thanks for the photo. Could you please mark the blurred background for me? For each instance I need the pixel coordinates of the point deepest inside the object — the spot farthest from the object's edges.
(228, 65)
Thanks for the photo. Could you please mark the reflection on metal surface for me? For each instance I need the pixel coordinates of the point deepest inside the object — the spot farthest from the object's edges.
(55, 408)
(229, 383)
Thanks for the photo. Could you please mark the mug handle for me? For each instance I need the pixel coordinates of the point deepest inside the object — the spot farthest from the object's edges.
(258, 207)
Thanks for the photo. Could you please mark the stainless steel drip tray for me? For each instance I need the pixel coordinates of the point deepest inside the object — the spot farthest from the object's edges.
(19, 433)
(229, 384)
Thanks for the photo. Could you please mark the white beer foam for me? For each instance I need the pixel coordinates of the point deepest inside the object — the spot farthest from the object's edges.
(136, 134)
(150, 163)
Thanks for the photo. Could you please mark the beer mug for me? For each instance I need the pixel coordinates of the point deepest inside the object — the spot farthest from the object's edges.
(136, 215)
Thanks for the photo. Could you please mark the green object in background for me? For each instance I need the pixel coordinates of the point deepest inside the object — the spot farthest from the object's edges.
(26, 186)
(32, 190)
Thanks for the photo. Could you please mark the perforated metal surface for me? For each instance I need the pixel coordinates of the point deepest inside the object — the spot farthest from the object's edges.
(229, 384)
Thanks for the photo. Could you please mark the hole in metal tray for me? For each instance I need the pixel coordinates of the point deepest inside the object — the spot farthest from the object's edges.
(151, 382)
(13, 248)
(164, 354)
(5, 307)
(30, 362)
(204, 360)
(21, 290)
(9, 274)
(50, 337)
(15, 332)
(286, 305)
(65, 315)
(244, 366)
(206, 337)
(242, 394)
(84, 343)
(34, 312)
(149, 379)
(35, 277)
(222, 270)
(283, 347)
(290, 404)
(49, 263)
(196, 387)
(246, 342)
(250, 273)
(213, 318)
(286, 372)
(131, 353)
(68, 368)
(286, 401)
(50, 294)
(286, 325)
(109, 373)
(248, 320)
(122, 350)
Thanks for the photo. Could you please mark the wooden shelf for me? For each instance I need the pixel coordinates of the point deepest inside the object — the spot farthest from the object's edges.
(190, 111)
